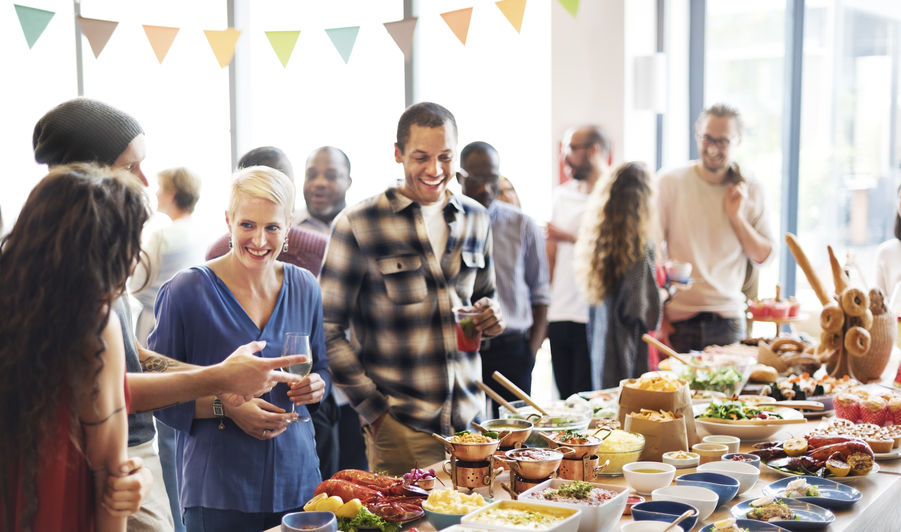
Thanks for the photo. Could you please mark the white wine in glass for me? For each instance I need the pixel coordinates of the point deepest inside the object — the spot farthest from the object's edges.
(298, 344)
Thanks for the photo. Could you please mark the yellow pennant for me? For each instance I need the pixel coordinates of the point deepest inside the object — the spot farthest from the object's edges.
(160, 38)
(223, 43)
(513, 10)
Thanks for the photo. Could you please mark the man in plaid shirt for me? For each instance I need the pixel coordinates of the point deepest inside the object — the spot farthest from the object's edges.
(395, 267)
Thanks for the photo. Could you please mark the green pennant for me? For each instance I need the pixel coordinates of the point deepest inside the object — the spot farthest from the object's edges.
(33, 21)
(572, 6)
(283, 43)
(344, 39)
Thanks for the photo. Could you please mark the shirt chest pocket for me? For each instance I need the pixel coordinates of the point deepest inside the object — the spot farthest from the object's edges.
(472, 261)
(404, 279)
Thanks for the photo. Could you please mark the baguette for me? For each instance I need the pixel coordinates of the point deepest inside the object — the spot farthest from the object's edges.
(796, 251)
(839, 277)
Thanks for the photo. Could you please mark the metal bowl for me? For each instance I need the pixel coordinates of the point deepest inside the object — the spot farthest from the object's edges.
(472, 452)
(534, 463)
(579, 449)
(520, 429)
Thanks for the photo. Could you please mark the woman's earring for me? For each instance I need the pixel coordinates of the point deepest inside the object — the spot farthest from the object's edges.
(229, 243)
(285, 246)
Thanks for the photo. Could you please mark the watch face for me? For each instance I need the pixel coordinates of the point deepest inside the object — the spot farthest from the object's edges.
(217, 407)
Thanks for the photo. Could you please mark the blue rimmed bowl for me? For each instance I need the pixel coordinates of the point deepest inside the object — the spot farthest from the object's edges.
(667, 511)
(724, 486)
(832, 494)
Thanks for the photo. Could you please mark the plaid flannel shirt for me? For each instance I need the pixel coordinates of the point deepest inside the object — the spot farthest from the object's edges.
(382, 278)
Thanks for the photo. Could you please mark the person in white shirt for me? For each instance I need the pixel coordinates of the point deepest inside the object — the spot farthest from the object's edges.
(588, 157)
(714, 218)
(325, 183)
(888, 258)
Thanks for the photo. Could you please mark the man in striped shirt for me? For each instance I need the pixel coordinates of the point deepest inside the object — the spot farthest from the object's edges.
(396, 266)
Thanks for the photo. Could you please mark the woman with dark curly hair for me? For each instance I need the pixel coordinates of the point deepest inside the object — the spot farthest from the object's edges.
(62, 366)
(615, 264)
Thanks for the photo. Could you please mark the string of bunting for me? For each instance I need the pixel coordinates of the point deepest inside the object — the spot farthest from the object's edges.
(223, 42)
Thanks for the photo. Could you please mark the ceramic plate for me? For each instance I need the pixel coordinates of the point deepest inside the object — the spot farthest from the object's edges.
(750, 524)
(843, 480)
(894, 455)
(832, 494)
(750, 432)
(811, 516)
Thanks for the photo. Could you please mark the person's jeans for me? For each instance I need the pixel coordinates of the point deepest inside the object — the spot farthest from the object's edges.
(325, 421)
(199, 519)
(570, 357)
(703, 329)
(165, 438)
(508, 354)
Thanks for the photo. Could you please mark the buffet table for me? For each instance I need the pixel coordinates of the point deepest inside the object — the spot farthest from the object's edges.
(878, 510)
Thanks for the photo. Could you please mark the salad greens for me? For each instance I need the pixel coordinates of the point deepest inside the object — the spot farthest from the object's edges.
(736, 410)
(364, 520)
(714, 379)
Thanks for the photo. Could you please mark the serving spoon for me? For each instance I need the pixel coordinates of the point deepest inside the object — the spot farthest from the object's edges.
(675, 524)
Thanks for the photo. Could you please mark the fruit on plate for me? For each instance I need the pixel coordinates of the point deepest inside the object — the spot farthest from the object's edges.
(838, 467)
(350, 509)
(311, 504)
(795, 446)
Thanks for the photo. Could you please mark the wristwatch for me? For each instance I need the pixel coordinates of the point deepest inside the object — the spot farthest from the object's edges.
(219, 412)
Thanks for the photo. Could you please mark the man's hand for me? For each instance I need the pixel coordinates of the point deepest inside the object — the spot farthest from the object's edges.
(556, 234)
(125, 491)
(734, 198)
(261, 419)
(489, 320)
(307, 391)
(243, 376)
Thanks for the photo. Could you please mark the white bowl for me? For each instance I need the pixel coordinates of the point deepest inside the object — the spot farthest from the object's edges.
(681, 463)
(745, 474)
(703, 499)
(645, 483)
(645, 526)
(603, 518)
(731, 442)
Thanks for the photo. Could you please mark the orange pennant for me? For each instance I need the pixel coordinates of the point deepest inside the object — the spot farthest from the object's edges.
(160, 38)
(98, 32)
(223, 43)
(458, 22)
(513, 10)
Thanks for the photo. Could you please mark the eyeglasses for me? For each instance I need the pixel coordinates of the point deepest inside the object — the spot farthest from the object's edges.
(719, 143)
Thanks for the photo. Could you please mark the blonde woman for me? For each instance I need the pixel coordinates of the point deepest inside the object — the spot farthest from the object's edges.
(244, 467)
(615, 265)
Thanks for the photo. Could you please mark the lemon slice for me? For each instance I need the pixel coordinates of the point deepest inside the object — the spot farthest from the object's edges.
(350, 509)
(311, 504)
(330, 504)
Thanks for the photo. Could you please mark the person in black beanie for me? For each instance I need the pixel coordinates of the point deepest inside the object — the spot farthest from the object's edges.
(89, 131)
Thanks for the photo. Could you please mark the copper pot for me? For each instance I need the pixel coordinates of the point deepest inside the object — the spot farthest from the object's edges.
(533, 463)
(519, 430)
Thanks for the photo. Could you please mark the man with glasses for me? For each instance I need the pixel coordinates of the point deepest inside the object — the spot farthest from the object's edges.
(714, 218)
(521, 274)
(588, 157)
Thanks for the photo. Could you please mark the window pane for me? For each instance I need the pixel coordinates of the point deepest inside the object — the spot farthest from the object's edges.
(745, 53)
(847, 186)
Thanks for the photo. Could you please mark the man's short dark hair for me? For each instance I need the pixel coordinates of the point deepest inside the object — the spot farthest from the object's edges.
(721, 110)
(336, 150)
(595, 135)
(423, 114)
(476, 147)
(267, 156)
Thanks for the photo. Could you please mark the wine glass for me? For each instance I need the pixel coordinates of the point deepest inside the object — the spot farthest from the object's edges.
(298, 344)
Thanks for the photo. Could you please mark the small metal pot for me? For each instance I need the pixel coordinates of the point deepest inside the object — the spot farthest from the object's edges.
(472, 452)
(533, 463)
(519, 430)
(579, 449)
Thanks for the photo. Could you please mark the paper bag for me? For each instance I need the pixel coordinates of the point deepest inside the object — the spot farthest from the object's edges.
(678, 402)
(659, 436)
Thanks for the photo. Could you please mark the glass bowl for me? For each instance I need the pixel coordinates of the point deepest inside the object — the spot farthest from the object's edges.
(561, 416)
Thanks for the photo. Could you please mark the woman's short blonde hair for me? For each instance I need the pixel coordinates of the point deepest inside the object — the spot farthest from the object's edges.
(265, 183)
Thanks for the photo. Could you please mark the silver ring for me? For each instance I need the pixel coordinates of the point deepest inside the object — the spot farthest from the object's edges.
(265, 432)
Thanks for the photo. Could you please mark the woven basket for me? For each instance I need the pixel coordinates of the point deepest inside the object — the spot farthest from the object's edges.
(870, 366)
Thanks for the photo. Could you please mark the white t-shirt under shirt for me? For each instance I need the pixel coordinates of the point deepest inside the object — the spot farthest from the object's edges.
(888, 267)
(697, 230)
(567, 301)
(436, 226)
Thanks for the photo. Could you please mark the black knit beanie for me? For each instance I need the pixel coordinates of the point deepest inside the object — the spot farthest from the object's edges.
(82, 131)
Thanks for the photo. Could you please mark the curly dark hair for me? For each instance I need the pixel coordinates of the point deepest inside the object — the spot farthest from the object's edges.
(61, 267)
(615, 230)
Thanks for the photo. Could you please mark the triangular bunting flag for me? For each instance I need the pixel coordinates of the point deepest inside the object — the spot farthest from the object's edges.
(33, 21)
(402, 33)
(98, 32)
(223, 43)
(570, 5)
(160, 38)
(344, 39)
(283, 43)
(458, 22)
(513, 10)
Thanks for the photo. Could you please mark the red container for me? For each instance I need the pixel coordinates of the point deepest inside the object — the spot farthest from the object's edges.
(468, 343)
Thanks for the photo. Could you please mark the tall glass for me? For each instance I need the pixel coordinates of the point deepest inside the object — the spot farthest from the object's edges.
(298, 344)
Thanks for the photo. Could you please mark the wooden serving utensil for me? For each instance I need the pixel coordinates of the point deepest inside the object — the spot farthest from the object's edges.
(501, 434)
(665, 349)
(497, 398)
(675, 524)
(515, 390)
